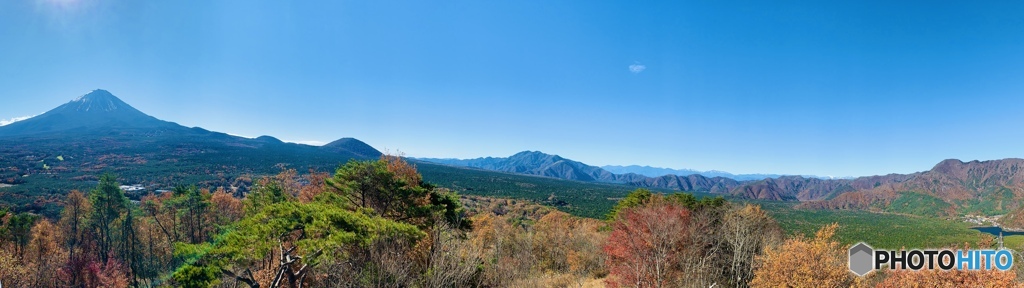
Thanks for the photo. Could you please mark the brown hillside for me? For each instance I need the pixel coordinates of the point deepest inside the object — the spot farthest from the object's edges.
(997, 185)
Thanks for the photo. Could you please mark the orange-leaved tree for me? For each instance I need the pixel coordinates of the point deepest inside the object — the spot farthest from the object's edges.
(801, 262)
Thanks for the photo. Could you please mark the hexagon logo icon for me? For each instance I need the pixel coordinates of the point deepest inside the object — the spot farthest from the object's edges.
(860, 259)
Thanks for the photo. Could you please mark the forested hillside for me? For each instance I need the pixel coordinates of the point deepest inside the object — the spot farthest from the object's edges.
(379, 224)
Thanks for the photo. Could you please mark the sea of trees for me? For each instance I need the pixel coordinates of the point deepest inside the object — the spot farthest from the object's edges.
(379, 224)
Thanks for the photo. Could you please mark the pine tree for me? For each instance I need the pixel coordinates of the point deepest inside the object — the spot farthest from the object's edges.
(108, 202)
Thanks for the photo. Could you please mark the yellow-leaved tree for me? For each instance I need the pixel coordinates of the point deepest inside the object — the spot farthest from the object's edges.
(801, 262)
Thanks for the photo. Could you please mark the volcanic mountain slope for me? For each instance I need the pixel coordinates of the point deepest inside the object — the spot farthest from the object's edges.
(66, 147)
(96, 110)
(101, 115)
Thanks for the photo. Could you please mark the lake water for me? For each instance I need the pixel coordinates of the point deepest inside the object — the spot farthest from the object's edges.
(995, 231)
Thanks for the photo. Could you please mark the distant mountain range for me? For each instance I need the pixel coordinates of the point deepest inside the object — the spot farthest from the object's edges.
(538, 163)
(65, 148)
(951, 187)
(541, 164)
(519, 164)
(759, 186)
(658, 171)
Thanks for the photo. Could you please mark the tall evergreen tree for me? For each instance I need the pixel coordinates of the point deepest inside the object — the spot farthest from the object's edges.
(384, 189)
(108, 202)
(19, 229)
(191, 204)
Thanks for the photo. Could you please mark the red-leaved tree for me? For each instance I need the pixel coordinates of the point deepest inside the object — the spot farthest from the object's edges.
(644, 245)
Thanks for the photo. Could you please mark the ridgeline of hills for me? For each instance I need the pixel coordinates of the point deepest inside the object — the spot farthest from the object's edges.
(540, 164)
(950, 188)
(65, 148)
(658, 171)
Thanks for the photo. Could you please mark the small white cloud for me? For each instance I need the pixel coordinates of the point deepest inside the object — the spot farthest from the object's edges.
(309, 142)
(5, 122)
(636, 68)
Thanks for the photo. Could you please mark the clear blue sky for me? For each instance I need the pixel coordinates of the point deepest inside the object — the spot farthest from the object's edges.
(798, 87)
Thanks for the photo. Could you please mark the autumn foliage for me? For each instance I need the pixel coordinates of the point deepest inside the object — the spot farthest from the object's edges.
(800, 262)
(645, 245)
(678, 240)
(951, 278)
(379, 224)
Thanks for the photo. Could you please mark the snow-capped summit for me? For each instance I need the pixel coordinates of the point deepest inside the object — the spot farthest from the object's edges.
(96, 110)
